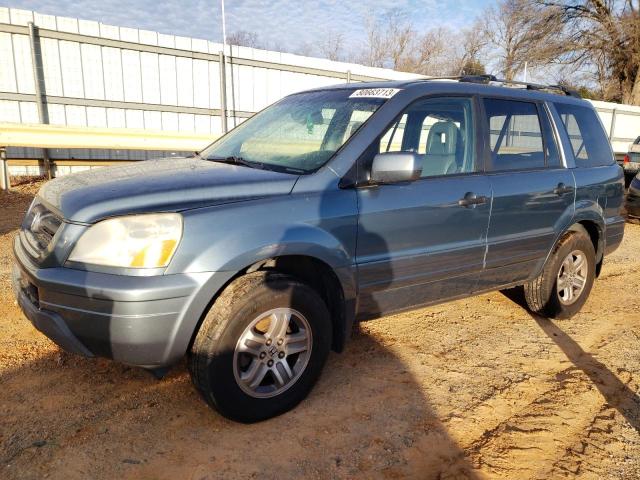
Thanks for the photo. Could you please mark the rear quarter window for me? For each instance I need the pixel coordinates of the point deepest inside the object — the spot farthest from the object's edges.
(589, 142)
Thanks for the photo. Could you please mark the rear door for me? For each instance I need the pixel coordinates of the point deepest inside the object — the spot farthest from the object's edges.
(420, 242)
(533, 192)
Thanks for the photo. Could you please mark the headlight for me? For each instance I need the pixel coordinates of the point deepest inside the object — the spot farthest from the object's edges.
(137, 241)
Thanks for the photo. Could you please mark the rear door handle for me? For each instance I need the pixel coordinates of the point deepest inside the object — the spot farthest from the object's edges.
(561, 189)
(471, 200)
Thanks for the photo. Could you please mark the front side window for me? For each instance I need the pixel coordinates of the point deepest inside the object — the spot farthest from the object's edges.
(299, 134)
(439, 130)
(515, 135)
(588, 140)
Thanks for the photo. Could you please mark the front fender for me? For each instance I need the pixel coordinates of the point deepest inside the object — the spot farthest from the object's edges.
(231, 237)
(245, 249)
(226, 240)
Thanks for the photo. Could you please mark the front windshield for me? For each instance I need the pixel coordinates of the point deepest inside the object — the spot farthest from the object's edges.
(299, 134)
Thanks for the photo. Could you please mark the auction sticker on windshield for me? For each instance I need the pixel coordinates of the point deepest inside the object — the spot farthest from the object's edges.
(374, 93)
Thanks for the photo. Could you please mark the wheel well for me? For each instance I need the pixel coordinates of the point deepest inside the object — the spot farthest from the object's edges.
(319, 276)
(596, 239)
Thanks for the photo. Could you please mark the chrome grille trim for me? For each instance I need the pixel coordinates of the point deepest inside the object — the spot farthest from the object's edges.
(38, 229)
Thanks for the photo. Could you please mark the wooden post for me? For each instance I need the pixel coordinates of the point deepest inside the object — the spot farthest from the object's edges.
(5, 181)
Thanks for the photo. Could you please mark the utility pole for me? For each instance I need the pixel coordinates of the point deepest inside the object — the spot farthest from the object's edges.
(38, 80)
(223, 73)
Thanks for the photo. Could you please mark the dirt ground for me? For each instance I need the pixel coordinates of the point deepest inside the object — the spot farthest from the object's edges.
(477, 388)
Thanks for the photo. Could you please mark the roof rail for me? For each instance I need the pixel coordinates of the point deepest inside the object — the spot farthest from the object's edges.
(487, 79)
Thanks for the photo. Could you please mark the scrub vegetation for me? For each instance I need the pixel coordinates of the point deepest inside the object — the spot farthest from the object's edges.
(590, 45)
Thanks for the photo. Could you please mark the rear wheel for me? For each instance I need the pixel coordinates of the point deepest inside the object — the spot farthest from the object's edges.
(261, 347)
(566, 280)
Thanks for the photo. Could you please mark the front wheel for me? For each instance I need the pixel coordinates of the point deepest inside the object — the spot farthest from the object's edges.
(566, 280)
(261, 347)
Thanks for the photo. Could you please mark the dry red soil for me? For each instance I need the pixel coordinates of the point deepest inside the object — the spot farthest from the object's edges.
(477, 388)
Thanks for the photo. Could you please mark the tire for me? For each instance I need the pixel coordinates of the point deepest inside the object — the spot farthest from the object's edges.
(543, 295)
(230, 351)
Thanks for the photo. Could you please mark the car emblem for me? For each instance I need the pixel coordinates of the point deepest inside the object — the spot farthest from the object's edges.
(36, 222)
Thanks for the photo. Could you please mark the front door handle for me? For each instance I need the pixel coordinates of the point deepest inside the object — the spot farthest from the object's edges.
(471, 200)
(561, 189)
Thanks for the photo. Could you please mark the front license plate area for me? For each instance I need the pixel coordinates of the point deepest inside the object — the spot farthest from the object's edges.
(30, 290)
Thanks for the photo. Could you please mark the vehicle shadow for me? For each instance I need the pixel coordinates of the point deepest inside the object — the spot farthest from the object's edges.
(616, 393)
(73, 417)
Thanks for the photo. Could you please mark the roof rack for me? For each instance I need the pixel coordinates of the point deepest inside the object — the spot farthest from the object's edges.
(488, 79)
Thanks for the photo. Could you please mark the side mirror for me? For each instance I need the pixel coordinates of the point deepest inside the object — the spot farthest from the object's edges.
(393, 167)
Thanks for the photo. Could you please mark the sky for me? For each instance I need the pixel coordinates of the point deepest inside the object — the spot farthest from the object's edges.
(289, 24)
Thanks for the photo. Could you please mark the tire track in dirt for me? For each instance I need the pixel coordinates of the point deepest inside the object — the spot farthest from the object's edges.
(540, 427)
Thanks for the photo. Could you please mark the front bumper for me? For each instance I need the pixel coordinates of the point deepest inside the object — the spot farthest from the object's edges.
(632, 205)
(143, 321)
(632, 201)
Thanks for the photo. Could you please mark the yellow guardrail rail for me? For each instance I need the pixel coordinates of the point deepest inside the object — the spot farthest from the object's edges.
(56, 136)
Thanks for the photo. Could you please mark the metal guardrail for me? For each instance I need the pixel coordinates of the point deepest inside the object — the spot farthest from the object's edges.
(55, 136)
(36, 135)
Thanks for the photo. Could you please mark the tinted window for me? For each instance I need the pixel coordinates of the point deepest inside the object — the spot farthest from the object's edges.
(515, 135)
(588, 141)
(440, 130)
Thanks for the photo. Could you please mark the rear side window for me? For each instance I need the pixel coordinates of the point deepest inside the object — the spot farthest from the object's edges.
(589, 143)
(515, 135)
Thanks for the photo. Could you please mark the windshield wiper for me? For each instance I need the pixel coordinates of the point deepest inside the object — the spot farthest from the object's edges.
(233, 160)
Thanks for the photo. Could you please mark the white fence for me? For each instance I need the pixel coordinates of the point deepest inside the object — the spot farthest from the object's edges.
(101, 75)
(96, 75)
(622, 123)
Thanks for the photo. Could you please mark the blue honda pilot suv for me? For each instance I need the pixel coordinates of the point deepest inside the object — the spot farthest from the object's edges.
(255, 256)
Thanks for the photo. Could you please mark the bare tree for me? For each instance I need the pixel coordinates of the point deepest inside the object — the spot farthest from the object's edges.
(399, 39)
(473, 56)
(435, 54)
(523, 31)
(332, 47)
(393, 42)
(605, 34)
(375, 53)
(305, 49)
(243, 38)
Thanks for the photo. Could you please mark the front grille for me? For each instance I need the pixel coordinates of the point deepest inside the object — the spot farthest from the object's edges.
(38, 228)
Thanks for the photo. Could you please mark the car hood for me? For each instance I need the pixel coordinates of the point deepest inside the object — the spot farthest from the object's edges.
(165, 185)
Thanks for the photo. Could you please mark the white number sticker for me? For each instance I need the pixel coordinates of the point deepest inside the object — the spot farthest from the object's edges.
(374, 93)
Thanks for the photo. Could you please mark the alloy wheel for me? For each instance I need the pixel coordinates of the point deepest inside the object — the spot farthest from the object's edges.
(272, 352)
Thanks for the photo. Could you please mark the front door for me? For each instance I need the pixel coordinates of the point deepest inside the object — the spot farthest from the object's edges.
(424, 241)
